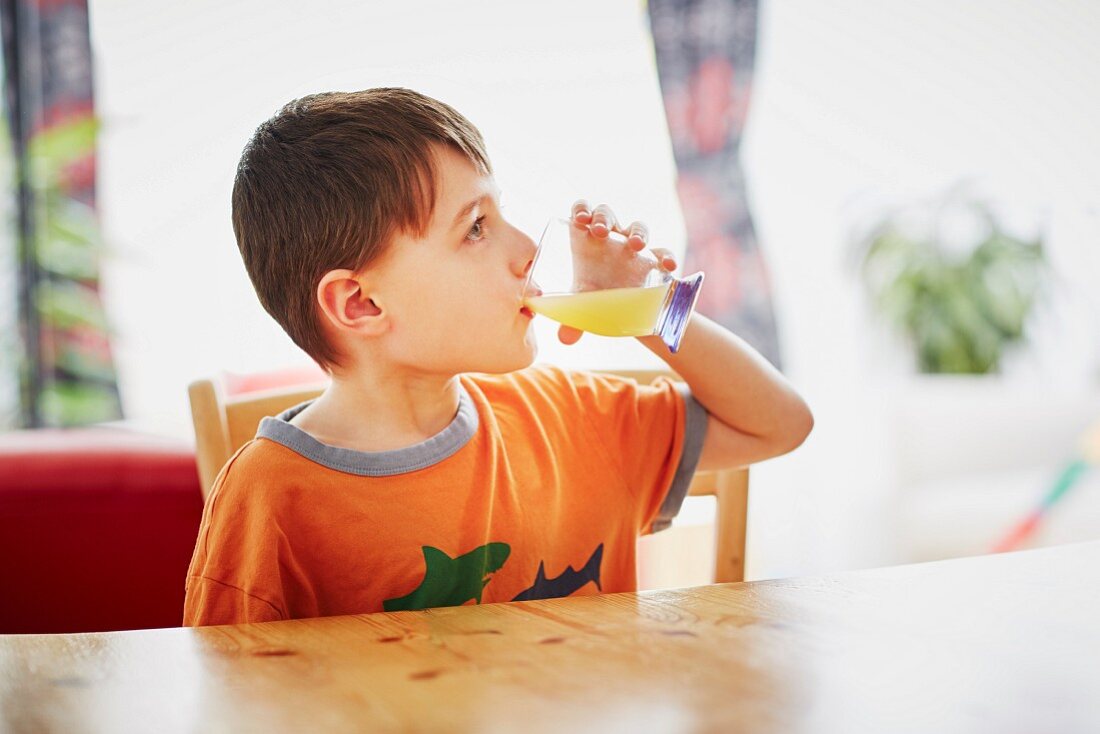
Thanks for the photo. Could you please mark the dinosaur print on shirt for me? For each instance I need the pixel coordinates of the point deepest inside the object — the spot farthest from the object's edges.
(451, 582)
(569, 581)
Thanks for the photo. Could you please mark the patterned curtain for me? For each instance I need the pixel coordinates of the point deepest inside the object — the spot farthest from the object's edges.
(705, 51)
(62, 355)
(10, 343)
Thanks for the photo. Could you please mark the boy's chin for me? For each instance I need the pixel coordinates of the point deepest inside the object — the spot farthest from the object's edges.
(522, 359)
(523, 363)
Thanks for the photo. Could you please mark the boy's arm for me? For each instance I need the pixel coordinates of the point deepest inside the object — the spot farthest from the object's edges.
(209, 602)
(755, 414)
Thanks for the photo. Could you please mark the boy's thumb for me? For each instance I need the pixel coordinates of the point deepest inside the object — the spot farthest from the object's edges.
(568, 335)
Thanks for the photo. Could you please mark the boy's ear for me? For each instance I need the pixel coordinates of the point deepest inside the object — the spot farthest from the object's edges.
(346, 304)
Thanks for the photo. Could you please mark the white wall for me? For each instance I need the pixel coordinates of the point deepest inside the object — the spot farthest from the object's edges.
(181, 87)
(856, 103)
(861, 103)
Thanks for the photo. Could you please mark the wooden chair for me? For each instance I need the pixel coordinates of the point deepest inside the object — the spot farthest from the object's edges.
(224, 424)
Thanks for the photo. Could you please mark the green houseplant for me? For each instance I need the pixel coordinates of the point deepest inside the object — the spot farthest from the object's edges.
(958, 307)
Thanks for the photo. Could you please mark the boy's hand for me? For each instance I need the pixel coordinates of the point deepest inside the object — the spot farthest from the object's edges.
(600, 223)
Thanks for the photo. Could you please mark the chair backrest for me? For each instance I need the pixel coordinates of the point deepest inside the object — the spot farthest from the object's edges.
(224, 424)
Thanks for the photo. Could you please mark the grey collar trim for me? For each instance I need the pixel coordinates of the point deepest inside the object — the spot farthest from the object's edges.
(376, 463)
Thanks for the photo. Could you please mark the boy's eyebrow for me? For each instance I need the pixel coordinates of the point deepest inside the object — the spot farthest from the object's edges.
(467, 209)
(464, 211)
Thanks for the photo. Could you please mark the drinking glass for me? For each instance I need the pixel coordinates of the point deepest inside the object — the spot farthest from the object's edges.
(603, 286)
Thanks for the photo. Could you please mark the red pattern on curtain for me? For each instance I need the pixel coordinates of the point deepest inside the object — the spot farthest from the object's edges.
(66, 371)
(705, 52)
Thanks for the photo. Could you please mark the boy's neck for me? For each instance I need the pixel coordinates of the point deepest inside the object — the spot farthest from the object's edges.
(381, 414)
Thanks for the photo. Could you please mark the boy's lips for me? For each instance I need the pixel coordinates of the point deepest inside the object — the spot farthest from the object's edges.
(531, 293)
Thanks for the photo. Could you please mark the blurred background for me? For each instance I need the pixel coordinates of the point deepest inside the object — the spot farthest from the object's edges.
(897, 203)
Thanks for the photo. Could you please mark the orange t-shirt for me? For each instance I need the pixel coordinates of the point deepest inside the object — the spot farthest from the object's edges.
(538, 488)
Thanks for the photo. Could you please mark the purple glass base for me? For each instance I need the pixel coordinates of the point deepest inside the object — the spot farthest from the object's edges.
(679, 303)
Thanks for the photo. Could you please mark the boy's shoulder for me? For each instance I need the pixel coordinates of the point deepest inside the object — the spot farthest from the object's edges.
(547, 392)
(258, 467)
(540, 390)
(545, 379)
(558, 385)
(525, 379)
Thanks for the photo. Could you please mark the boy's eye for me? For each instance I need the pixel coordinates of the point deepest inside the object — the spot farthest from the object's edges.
(477, 230)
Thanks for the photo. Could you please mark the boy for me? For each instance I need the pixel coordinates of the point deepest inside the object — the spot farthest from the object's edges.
(439, 467)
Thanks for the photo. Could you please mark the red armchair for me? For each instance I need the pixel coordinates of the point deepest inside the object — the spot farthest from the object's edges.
(97, 527)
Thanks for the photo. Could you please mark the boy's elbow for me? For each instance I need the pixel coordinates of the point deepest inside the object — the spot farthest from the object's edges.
(799, 425)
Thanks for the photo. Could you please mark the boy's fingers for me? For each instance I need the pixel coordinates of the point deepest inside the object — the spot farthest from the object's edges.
(637, 235)
(603, 221)
(568, 335)
(581, 212)
(665, 257)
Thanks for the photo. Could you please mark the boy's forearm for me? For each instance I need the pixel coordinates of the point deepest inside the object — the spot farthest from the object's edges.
(735, 383)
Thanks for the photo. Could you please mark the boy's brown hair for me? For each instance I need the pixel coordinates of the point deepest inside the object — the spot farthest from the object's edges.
(327, 183)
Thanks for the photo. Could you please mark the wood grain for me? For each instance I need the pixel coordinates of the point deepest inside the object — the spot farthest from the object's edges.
(1007, 643)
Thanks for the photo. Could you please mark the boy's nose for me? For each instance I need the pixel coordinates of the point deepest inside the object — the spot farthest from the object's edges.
(528, 248)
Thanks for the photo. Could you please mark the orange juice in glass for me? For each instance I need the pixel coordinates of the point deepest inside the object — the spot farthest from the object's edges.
(602, 286)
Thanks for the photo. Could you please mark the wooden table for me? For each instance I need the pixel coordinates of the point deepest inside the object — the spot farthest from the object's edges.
(1007, 643)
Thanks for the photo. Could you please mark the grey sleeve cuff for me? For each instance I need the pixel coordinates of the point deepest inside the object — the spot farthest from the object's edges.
(695, 431)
